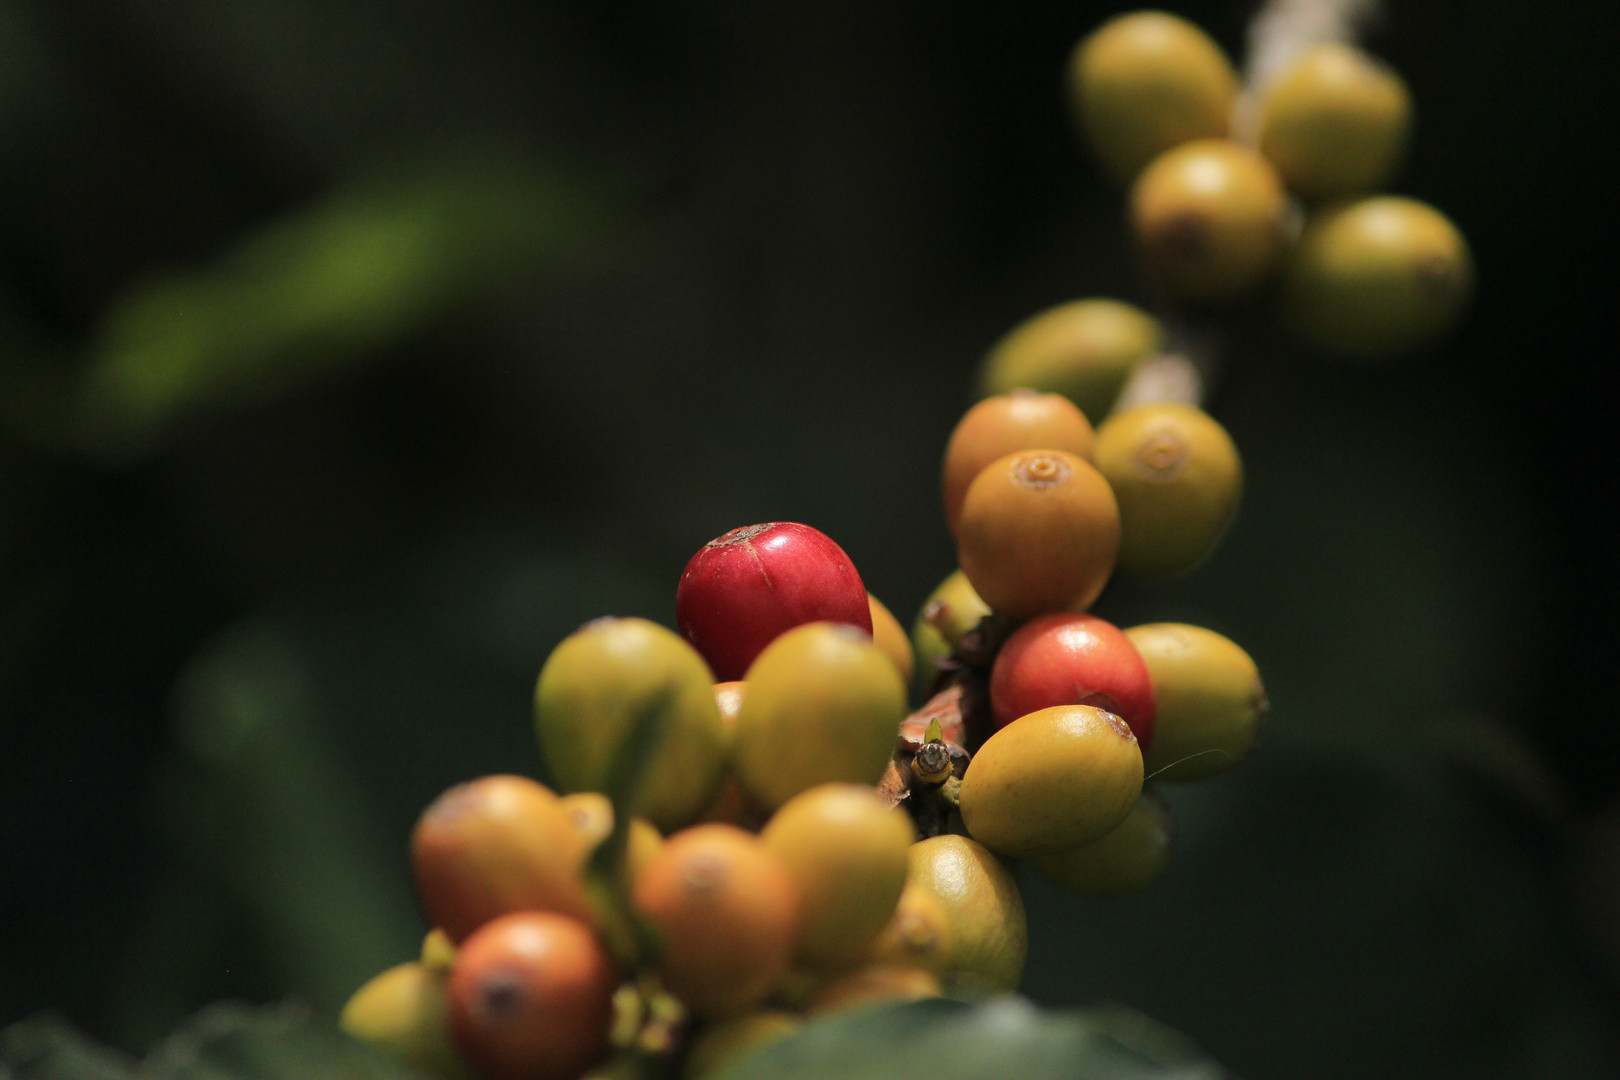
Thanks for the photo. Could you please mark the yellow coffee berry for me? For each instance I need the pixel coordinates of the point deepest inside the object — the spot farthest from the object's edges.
(1178, 480)
(1208, 220)
(1144, 82)
(1334, 122)
(1085, 350)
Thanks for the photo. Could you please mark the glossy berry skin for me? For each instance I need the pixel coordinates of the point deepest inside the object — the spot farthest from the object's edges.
(1178, 479)
(726, 911)
(496, 845)
(1211, 702)
(1072, 659)
(1052, 780)
(822, 704)
(1084, 350)
(1146, 81)
(1039, 532)
(531, 998)
(1017, 420)
(744, 589)
(1377, 278)
(1335, 122)
(1208, 221)
(594, 688)
(846, 850)
(1127, 858)
(989, 936)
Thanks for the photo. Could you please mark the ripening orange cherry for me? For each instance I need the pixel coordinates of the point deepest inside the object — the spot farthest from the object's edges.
(1039, 532)
(531, 997)
(1006, 424)
(726, 912)
(496, 845)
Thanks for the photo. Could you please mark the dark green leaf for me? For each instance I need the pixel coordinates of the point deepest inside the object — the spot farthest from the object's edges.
(630, 938)
(236, 1042)
(45, 1047)
(1007, 1037)
(320, 290)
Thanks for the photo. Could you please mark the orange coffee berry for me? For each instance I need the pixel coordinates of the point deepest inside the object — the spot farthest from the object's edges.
(726, 912)
(496, 845)
(531, 997)
(1039, 532)
(1002, 425)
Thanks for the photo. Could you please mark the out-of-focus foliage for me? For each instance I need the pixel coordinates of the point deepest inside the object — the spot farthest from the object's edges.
(949, 1040)
(224, 1042)
(379, 258)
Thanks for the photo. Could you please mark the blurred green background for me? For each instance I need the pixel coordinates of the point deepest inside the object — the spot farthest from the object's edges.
(352, 353)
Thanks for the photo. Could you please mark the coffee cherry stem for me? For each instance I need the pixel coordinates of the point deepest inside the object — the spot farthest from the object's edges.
(647, 1019)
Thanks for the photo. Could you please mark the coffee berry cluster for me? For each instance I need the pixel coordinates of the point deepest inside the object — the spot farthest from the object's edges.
(746, 826)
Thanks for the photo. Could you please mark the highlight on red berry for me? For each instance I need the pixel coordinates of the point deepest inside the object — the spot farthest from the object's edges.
(744, 589)
(1071, 659)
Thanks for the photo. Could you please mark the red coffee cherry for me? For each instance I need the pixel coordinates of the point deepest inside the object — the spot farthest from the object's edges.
(1072, 659)
(744, 589)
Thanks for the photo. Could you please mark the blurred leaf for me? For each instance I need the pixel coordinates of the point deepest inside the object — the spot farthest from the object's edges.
(266, 800)
(235, 1042)
(631, 938)
(317, 291)
(223, 1042)
(948, 1040)
(46, 1047)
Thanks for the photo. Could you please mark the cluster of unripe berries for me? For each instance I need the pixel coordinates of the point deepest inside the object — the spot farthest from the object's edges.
(747, 825)
(1232, 191)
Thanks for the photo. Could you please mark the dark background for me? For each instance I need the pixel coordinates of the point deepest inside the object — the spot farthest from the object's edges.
(353, 352)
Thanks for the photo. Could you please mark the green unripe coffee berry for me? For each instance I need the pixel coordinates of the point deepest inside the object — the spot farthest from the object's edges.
(404, 1013)
(1122, 860)
(1209, 221)
(950, 611)
(989, 938)
(1208, 696)
(1084, 350)
(1147, 81)
(595, 686)
(822, 705)
(1051, 780)
(1334, 122)
(1377, 278)
(1178, 480)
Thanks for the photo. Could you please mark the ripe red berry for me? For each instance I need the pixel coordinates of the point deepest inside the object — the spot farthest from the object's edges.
(1071, 659)
(742, 590)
